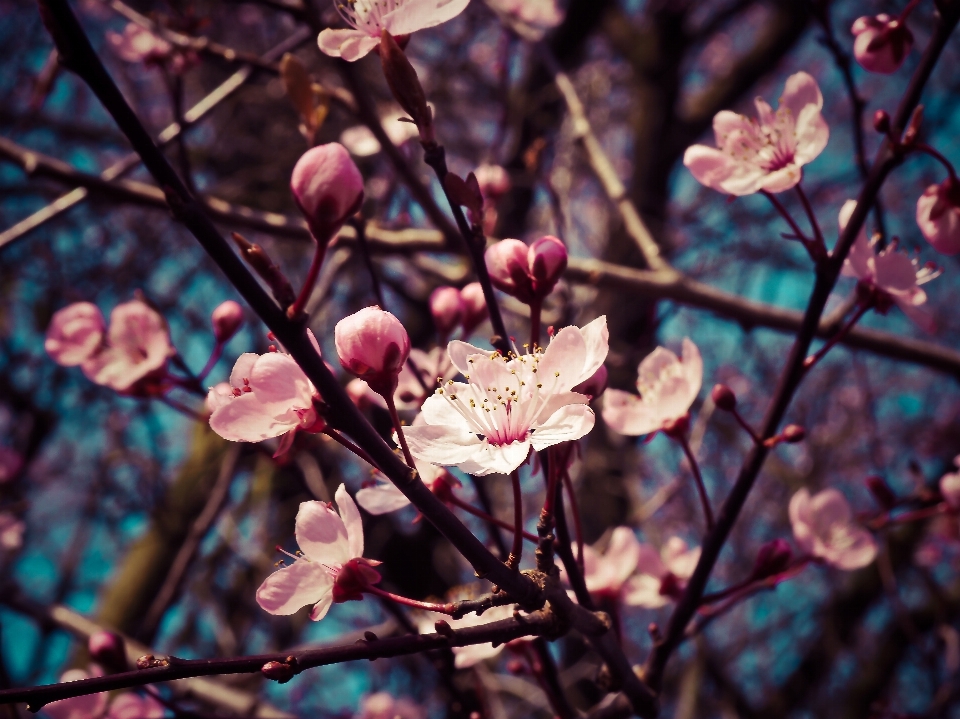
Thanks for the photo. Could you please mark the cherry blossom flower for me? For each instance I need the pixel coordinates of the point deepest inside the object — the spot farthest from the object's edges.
(327, 187)
(468, 656)
(528, 18)
(950, 486)
(446, 306)
(11, 462)
(11, 532)
(268, 396)
(605, 574)
(474, 307)
(384, 497)
(75, 334)
(938, 216)
(668, 386)
(137, 349)
(137, 44)
(882, 43)
(384, 706)
(767, 153)
(369, 18)
(510, 404)
(373, 345)
(892, 277)
(823, 526)
(527, 273)
(330, 567)
(226, 320)
(661, 577)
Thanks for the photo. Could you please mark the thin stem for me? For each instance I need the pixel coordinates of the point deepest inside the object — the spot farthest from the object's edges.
(778, 206)
(545, 670)
(480, 514)
(516, 551)
(840, 334)
(575, 511)
(360, 227)
(215, 355)
(340, 439)
(395, 418)
(820, 244)
(296, 309)
(907, 10)
(701, 489)
(183, 409)
(416, 604)
(565, 552)
(536, 307)
(743, 423)
(929, 150)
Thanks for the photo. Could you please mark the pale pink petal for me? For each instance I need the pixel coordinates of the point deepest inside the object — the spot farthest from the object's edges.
(321, 534)
(830, 507)
(596, 336)
(497, 459)
(278, 381)
(650, 562)
(75, 333)
(781, 180)
(331, 42)
(913, 306)
(297, 585)
(413, 15)
(245, 419)
(659, 362)
(895, 271)
(352, 50)
(727, 123)
(557, 402)
(320, 609)
(679, 559)
(801, 90)
(351, 520)
(692, 370)
(800, 521)
(622, 554)
(812, 135)
(561, 364)
(468, 656)
(460, 353)
(381, 499)
(643, 590)
(439, 444)
(627, 414)
(709, 166)
(243, 368)
(859, 550)
(567, 424)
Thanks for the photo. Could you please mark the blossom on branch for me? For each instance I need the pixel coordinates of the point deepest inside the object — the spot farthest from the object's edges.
(668, 385)
(527, 273)
(327, 187)
(369, 18)
(605, 574)
(373, 345)
(766, 153)
(950, 486)
(329, 568)
(888, 276)
(823, 526)
(75, 334)
(661, 577)
(383, 496)
(938, 216)
(510, 404)
(882, 43)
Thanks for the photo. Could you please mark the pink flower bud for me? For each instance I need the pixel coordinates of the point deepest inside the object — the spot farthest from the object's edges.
(723, 398)
(328, 188)
(373, 345)
(882, 43)
(226, 320)
(447, 307)
(881, 121)
(772, 558)
(108, 650)
(938, 215)
(493, 180)
(75, 334)
(547, 258)
(280, 672)
(793, 433)
(595, 384)
(881, 491)
(474, 307)
(507, 264)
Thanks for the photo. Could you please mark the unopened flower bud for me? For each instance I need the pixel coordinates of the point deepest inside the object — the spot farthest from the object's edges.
(678, 427)
(507, 264)
(938, 216)
(547, 260)
(881, 121)
(882, 43)
(280, 672)
(373, 345)
(723, 398)
(772, 558)
(328, 189)
(405, 85)
(261, 263)
(913, 127)
(793, 433)
(226, 319)
(108, 650)
(474, 307)
(881, 491)
(443, 628)
(447, 307)
(493, 181)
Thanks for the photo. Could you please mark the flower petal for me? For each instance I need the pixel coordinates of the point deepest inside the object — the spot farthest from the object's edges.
(413, 15)
(322, 534)
(246, 419)
(441, 444)
(277, 380)
(643, 590)
(596, 336)
(243, 368)
(288, 589)
(459, 352)
(561, 365)
(812, 134)
(381, 499)
(351, 520)
(800, 91)
(709, 166)
(627, 414)
(567, 424)
(331, 42)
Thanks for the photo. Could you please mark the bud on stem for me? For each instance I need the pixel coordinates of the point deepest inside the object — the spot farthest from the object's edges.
(405, 86)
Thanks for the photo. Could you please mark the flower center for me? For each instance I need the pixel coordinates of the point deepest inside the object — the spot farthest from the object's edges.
(365, 15)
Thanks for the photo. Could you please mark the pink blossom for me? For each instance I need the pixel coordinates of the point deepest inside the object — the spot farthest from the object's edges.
(474, 307)
(11, 532)
(226, 320)
(138, 347)
(90, 706)
(327, 187)
(510, 404)
(330, 566)
(494, 181)
(823, 526)
(893, 277)
(75, 334)
(268, 396)
(950, 486)
(373, 345)
(133, 706)
(468, 656)
(11, 462)
(668, 386)
(384, 497)
(882, 43)
(527, 273)
(528, 18)
(384, 706)
(606, 574)
(938, 215)
(764, 154)
(661, 577)
(137, 44)
(108, 650)
(369, 18)
(446, 306)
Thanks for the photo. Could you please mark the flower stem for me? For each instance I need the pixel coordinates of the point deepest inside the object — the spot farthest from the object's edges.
(480, 514)
(819, 244)
(701, 489)
(747, 428)
(807, 243)
(936, 154)
(575, 511)
(215, 355)
(907, 10)
(183, 409)
(426, 606)
(296, 309)
(516, 551)
(392, 407)
(839, 335)
(546, 522)
(340, 439)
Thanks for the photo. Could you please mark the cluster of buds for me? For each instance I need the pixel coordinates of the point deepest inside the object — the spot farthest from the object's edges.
(527, 273)
(452, 308)
(882, 43)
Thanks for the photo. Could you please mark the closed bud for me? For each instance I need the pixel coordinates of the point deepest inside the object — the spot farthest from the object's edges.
(328, 189)
(446, 306)
(881, 121)
(882, 43)
(881, 491)
(226, 320)
(507, 264)
(405, 86)
(280, 672)
(108, 650)
(772, 558)
(474, 307)
(261, 263)
(547, 260)
(793, 433)
(913, 127)
(373, 345)
(723, 398)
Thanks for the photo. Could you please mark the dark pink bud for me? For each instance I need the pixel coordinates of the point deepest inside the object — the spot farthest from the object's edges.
(226, 319)
(881, 122)
(280, 672)
(372, 345)
(595, 385)
(507, 263)
(493, 181)
(678, 427)
(108, 650)
(446, 306)
(328, 189)
(547, 259)
(772, 558)
(793, 433)
(882, 43)
(724, 398)
(474, 307)
(881, 491)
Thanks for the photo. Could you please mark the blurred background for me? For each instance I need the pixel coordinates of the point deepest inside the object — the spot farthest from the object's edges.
(111, 490)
